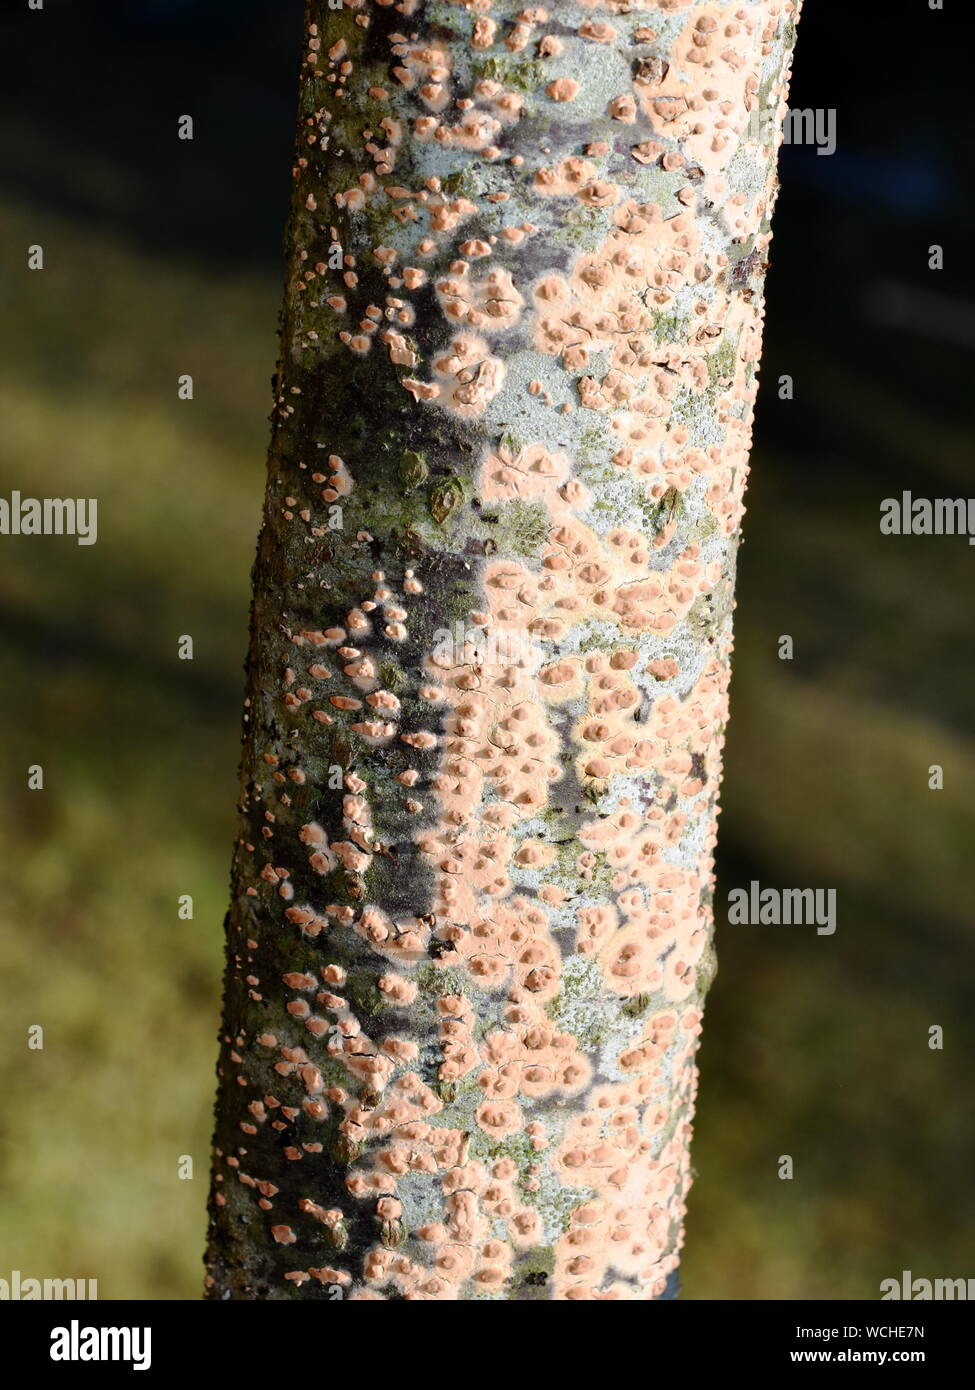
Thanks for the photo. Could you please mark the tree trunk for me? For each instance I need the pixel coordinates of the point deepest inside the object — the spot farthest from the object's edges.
(470, 933)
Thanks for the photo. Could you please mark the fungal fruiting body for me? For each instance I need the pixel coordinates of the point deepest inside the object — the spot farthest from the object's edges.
(470, 931)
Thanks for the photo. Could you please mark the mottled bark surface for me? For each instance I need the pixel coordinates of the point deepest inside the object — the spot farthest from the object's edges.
(470, 933)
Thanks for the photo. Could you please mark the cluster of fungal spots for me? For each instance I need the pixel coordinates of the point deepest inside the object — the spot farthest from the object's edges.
(584, 576)
(470, 936)
(626, 1151)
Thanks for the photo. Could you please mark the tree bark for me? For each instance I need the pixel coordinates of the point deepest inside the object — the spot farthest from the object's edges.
(470, 932)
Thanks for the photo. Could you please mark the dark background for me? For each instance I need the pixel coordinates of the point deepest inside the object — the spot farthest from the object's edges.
(164, 257)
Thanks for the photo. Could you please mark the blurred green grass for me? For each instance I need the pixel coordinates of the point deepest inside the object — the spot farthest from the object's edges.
(139, 749)
(815, 1047)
